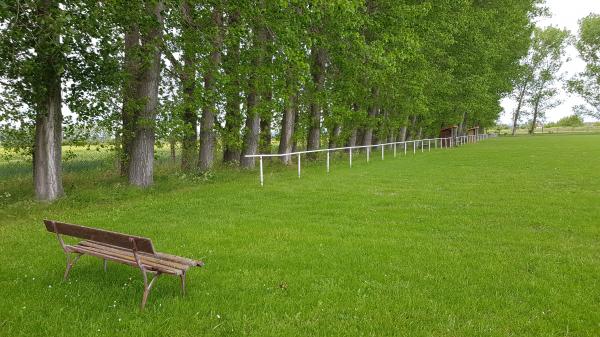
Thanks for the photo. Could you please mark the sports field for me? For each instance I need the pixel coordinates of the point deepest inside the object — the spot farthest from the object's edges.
(500, 238)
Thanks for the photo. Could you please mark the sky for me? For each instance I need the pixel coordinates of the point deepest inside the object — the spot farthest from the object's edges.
(565, 14)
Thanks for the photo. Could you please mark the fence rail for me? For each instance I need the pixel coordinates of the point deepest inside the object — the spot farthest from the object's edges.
(438, 142)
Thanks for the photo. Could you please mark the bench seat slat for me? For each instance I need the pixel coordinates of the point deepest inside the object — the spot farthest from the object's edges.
(143, 256)
(180, 259)
(124, 258)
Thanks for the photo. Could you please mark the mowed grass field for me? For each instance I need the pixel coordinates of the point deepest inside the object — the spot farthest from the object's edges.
(500, 238)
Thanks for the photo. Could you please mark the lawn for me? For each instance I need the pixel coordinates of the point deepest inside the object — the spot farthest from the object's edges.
(500, 238)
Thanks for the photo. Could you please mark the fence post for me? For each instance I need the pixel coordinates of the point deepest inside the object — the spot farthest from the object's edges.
(350, 157)
(327, 161)
(414, 146)
(298, 165)
(428, 145)
(422, 144)
(405, 148)
(261, 171)
(368, 152)
(395, 150)
(382, 149)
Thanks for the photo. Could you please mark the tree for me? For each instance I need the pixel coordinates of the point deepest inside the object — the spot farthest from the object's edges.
(587, 83)
(207, 132)
(547, 58)
(44, 45)
(142, 43)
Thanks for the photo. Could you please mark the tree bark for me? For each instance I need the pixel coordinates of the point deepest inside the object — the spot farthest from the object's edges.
(413, 128)
(287, 129)
(334, 136)
(47, 151)
(129, 92)
(462, 125)
(207, 132)
(252, 131)
(352, 140)
(189, 142)
(252, 128)
(535, 116)
(265, 125)
(372, 112)
(517, 113)
(318, 76)
(141, 166)
(403, 132)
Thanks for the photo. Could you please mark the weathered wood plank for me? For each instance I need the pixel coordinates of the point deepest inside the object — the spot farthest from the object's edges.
(100, 235)
(143, 256)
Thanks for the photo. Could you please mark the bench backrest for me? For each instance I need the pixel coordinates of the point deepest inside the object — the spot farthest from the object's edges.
(100, 235)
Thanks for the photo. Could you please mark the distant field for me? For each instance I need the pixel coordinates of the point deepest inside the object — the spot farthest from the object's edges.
(500, 238)
(553, 130)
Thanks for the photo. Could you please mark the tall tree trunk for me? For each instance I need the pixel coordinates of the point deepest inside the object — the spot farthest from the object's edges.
(372, 112)
(535, 116)
(252, 128)
(517, 113)
(352, 140)
(334, 136)
(252, 131)
(189, 141)
(318, 77)
(265, 125)
(232, 141)
(403, 131)
(413, 128)
(141, 165)
(130, 85)
(287, 129)
(207, 132)
(463, 124)
(47, 151)
(296, 126)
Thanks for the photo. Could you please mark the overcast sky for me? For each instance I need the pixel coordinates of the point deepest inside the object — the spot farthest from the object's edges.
(565, 14)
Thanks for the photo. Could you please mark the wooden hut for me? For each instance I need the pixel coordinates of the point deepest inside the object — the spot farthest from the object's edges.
(448, 132)
(472, 133)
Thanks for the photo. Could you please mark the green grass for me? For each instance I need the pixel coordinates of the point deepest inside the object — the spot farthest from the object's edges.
(500, 238)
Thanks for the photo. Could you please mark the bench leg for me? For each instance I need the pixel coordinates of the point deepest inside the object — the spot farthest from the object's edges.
(182, 277)
(70, 264)
(148, 287)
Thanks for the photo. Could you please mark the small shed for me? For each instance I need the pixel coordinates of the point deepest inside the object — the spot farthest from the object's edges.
(448, 132)
(473, 133)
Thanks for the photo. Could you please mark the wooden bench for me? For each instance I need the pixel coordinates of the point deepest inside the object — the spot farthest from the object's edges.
(131, 250)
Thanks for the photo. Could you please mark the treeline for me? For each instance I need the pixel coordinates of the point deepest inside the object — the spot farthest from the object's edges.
(232, 75)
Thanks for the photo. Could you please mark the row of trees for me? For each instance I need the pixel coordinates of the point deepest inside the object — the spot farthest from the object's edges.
(231, 75)
(540, 79)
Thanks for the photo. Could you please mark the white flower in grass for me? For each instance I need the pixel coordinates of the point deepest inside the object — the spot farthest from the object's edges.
(218, 316)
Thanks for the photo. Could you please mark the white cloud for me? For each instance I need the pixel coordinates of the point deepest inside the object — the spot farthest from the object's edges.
(565, 14)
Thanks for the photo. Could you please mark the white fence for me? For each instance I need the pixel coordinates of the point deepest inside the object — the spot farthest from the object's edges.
(417, 144)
